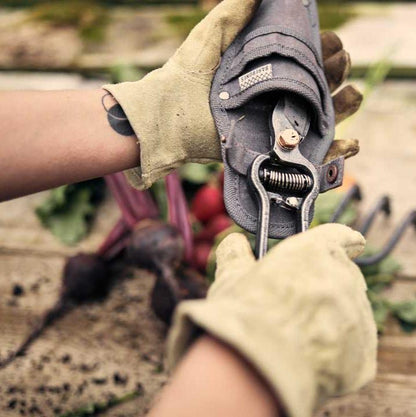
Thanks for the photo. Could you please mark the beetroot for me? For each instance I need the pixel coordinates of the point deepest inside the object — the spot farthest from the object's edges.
(201, 256)
(155, 245)
(192, 285)
(217, 225)
(159, 247)
(221, 179)
(207, 203)
(85, 278)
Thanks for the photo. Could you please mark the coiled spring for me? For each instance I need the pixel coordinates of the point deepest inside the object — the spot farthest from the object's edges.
(274, 180)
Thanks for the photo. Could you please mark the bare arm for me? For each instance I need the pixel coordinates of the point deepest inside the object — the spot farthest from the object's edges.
(212, 380)
(60, 137)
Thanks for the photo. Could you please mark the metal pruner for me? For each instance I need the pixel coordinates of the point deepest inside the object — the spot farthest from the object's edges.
(284, 177)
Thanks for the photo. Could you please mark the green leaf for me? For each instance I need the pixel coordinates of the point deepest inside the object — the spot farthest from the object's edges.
(123, 72)
(381, 310)
(405, 311)
(95, 408)
(379, 282)
(388, 266)
(327, 203)
(158, 191)
(69, 210)
(407, 327)
(196, 173)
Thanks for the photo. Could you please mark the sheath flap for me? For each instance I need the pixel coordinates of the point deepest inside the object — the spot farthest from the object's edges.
(275, 73)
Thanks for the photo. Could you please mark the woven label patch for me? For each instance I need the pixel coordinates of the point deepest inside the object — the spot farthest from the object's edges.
(256, 76)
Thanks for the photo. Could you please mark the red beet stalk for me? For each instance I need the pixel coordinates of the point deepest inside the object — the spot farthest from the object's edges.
(110, 248)
(134, 205)
(179, 212)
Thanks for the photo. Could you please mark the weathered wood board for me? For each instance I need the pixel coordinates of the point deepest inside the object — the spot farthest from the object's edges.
(114, 347)
(97, 351)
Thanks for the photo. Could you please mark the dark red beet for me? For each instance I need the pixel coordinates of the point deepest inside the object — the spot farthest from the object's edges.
(201, 255)
(192, 286)
(217, 225)
(155, 245)
(85, 277)
(221, 179)
(159, 247)
(207, 203)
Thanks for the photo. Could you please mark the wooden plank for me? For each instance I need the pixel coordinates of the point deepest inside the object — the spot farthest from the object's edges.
(88, 347)
(388, 396)
(21, 231)
(96, 352)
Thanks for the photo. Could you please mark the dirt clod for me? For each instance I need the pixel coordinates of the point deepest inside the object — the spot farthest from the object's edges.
(18, 290)
(119, 379)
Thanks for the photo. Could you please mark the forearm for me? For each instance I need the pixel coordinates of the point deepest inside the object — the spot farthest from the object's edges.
(213, 380)
(58, 137)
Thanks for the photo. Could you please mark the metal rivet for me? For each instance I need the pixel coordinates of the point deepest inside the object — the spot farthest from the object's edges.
(224, 95)
(289, 139)
(332, 174)
(223, 139)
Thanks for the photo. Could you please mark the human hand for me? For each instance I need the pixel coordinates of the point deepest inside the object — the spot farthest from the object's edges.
(300, 315)
(169, 108)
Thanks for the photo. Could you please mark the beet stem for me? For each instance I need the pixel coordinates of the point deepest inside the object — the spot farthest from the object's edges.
(179, 212)
(128, 216)
(141, 203)
(115, 250)
(168, 275)
(108, 250)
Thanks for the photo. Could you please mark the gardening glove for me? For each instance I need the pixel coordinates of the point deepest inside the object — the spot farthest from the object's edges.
(347, 100)
(300, 315)
(169, 108)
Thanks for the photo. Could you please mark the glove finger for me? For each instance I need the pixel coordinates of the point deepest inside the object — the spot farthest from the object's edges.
(342, 236)
(331, 44)
(337, 69)
(234, 255)
(343, 147)
(346, 102)
(206, 43)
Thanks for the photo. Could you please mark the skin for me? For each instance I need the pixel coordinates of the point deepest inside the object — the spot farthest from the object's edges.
(56, 138)
(213, 380)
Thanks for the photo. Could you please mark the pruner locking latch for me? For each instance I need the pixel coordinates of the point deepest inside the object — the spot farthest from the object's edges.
(284, 177)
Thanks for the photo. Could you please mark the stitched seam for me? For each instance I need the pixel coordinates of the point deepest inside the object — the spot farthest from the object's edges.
(246, 57)
(192, 76)
(280, 79)
(267, 30)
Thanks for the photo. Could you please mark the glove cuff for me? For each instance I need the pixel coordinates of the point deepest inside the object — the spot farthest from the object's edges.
(139, 101)
(171, 120)
(280, 363)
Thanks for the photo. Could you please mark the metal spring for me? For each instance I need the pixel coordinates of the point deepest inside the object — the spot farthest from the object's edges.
(284, 181)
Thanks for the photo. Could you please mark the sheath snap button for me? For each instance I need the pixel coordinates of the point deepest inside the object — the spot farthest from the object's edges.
(224, 95)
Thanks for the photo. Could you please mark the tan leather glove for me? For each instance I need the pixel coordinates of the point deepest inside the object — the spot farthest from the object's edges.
(169, 108)
(300, 316)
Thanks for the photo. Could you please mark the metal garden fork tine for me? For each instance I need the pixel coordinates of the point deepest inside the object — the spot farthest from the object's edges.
(353, 194)
(409, 220)
(382, 205)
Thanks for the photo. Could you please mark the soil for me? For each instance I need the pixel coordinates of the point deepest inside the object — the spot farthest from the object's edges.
(95, 353)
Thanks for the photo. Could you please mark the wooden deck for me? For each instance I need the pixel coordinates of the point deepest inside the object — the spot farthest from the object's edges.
(96, 352)
(113, 348)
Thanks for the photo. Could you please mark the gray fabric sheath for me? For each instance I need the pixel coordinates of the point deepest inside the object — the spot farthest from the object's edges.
(279, 51)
